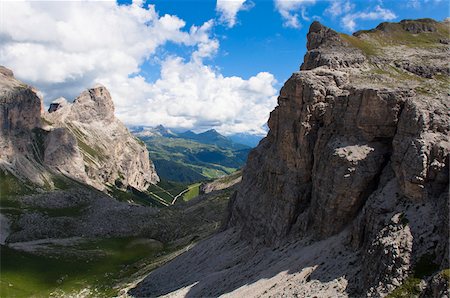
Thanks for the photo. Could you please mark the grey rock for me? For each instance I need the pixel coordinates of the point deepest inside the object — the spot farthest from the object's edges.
(110, 152)
(82, 140)
(356, 163)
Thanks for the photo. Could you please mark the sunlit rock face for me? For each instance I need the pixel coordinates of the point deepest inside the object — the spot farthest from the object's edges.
(82, 140)
(110, 152)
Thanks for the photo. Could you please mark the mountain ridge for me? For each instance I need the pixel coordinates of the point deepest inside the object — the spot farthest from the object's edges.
(189, 157)
(348, 194)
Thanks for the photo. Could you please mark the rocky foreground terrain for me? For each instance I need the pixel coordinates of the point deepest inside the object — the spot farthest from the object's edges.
(348, 193)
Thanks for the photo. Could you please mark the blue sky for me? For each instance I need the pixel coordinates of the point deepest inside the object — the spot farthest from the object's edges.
(184, 64)
(260, 42)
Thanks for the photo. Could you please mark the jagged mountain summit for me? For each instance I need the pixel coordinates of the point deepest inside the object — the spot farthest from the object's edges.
(82, 140)
(111, 154)
(347, 196)
(157, 131)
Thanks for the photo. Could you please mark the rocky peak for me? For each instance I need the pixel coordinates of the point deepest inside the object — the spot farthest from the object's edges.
(162, 131)
(319, 34)
(20, 104)
(82, 140)
(94, 104)
(6, 72)
(211, 133)
(327, 48)
(57, 104)
(353, 175)
(110, 153)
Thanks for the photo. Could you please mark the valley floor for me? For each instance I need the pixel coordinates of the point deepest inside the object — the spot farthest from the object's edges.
(81, 243)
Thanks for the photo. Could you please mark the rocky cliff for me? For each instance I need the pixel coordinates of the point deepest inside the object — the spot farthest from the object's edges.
(82, 140)
(20, 130)
(110, 153)
(348, 193)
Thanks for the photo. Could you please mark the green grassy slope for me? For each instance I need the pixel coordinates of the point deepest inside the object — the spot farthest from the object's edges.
(98, 264)
(193, 192)
(189, 161)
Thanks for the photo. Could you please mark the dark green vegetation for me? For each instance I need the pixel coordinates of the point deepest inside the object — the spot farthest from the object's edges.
(134, 196)
(101, 267)
(410, 288)
(97, 266)
(190, 157)
(11, 186)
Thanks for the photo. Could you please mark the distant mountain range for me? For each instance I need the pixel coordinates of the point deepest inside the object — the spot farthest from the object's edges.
(190, 157)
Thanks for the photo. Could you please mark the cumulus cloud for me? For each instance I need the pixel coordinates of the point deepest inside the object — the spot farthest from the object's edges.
(192, 95)
(289, 11)
(379, 13)
(228, 9)
(65, 47)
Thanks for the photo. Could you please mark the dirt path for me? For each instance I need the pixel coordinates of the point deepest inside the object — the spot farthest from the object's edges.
(183, 192)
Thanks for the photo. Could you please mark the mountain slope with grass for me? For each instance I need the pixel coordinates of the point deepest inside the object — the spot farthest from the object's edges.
(347, 196)
(189, 157)
(82, 211)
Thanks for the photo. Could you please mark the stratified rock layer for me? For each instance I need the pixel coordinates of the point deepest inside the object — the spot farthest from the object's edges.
(356, 162)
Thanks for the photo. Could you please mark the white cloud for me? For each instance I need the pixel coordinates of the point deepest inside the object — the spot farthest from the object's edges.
(414, 3)
(228, 9)
(288, 8)
(63, 48)
(338, 8)
(379, 13)
(417, 4)
(192, 95)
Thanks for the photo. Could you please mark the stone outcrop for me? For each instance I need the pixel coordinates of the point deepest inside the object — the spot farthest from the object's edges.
(111, 154)
(82, 140)
(62, 154)
(358, 152)
(221, 183)
(20, 132)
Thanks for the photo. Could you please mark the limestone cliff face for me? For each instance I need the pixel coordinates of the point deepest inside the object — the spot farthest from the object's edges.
(111, 154)
(347, 196)
(359, 142)
(20, 132)
(82, 140)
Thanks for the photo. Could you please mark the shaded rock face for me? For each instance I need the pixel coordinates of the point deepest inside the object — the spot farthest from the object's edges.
(62, 154)
(20, 105)
(109, 151)
(20, 122)
(355, 144)
(82, 140)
